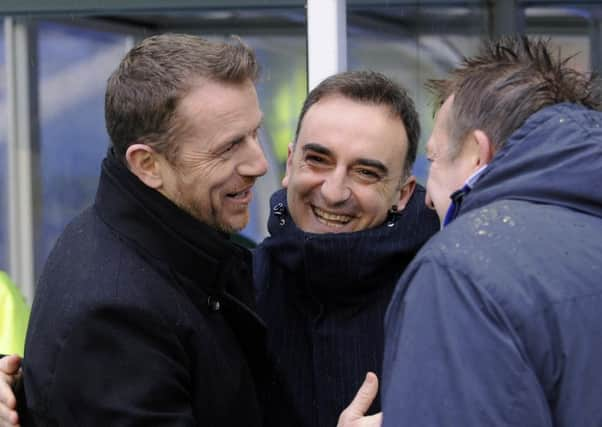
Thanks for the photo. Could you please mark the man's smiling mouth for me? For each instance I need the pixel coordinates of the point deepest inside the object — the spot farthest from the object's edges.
(330, 219)
(238, 195)
(244, 195)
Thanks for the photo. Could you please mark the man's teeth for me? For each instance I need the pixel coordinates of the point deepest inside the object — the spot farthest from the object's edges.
(330, 218)
(238, 195)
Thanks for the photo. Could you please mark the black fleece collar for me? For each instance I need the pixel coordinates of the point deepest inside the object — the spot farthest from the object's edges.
(347, 267)
(163, 231)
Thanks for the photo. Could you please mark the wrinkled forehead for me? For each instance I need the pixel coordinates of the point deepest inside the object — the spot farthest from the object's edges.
(352, 117)
(214, 111)
(444, 114)
(354, 133)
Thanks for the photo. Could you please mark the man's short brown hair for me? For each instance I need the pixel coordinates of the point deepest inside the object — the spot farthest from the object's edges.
(508, 81)
(143, 93)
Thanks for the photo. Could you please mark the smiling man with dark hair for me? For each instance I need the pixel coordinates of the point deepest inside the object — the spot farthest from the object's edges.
(351, 217)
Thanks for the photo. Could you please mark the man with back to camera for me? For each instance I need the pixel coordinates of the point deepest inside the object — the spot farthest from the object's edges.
(497, 320)
(352, 197)
(341, 232)
(143, 314)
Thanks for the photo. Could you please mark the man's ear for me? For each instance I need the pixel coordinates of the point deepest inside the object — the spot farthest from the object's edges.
(485, 147)
(405, 192)
(289, 164)
(144, 162)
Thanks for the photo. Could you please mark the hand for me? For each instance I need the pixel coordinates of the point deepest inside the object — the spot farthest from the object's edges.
(353, 415)
(10, 373)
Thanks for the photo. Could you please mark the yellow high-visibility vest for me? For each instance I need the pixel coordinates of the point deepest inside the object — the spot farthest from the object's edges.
(14, 315)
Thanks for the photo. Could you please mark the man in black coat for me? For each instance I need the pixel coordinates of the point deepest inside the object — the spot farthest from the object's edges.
(143, 314)
(350, 219)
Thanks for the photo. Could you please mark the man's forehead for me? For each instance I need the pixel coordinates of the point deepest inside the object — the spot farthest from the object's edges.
(443, 114)
(208, 98)
(442, 117)
(346, 113)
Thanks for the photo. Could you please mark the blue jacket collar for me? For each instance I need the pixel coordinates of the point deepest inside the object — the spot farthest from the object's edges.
(545, 161)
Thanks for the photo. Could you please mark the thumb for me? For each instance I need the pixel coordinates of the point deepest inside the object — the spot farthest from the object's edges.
(9, 365)
(364, 397)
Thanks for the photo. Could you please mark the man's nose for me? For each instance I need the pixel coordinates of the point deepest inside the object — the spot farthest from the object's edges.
(335, 188)
(255, 163)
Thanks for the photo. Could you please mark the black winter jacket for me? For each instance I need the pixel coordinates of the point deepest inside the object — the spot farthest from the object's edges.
(143, 317)
(323, 297)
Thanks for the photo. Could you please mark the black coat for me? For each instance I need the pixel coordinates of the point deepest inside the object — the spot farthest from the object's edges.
(323, 297)
(143, 317)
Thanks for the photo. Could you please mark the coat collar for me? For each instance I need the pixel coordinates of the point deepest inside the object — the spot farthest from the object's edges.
(347, 267)
(161, 230)
(548, 160)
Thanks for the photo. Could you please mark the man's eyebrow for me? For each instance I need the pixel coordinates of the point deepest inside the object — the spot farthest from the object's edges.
(376, 164)
(311, 146)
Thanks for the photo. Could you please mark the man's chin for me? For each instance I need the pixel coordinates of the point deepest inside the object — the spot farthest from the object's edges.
(230, 225)
(233, 225)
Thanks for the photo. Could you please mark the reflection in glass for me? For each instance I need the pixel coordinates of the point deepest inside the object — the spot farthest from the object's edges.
(4, 243)
(74, 64)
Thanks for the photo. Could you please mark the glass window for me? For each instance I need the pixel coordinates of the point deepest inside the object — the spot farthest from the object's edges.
(568, 28)
(74, 64)
(4, 243)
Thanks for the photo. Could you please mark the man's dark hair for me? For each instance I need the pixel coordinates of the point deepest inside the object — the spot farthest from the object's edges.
(371, 88)
(508, 81)
(143, 93)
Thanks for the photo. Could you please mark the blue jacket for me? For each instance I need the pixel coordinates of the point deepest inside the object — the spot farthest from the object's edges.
(323, 298)
(498, 320)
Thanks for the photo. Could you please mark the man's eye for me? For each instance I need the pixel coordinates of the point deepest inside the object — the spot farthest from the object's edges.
(367, 173)
(310, 158)
(232, 146)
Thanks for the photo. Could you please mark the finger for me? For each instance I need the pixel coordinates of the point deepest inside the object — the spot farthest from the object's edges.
(8, 417)
(7, 396)
(375, 420)
(364, 396)
(10, 365)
